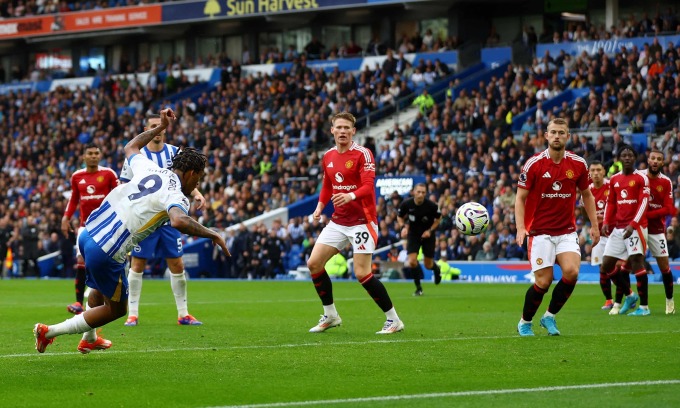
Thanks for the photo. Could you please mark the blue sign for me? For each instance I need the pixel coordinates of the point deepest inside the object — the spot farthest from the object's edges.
(610, 47)
(385, 186)
(203, 10)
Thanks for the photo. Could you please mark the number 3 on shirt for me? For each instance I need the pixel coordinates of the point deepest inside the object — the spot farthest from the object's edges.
(144, 190)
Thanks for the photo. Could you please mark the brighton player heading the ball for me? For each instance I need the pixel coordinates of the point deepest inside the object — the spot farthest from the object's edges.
(129, 214)
(544, 212)
(348, 181)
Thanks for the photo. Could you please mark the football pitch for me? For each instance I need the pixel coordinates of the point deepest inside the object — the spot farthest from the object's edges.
(460, 348)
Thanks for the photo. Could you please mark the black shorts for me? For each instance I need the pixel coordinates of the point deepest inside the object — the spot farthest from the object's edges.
(413, 245)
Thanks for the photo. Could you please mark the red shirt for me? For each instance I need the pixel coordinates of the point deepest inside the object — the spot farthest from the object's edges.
(660, 202)
(89, 190)
(628, 198)
(549, 207)
(600, 195)
(350, 172)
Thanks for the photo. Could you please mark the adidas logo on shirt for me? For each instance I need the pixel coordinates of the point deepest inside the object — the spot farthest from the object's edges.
(82, 181)
(547, 175)
(330, 165)
(616, 184)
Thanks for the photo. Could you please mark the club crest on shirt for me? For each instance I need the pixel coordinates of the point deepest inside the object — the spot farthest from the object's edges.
(606, 193)
(631, 183)
(659, 189)
(570, 174)
(100, 179)
(349, 164)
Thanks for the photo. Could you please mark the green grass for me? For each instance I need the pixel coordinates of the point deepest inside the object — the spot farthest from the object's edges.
(254, 349)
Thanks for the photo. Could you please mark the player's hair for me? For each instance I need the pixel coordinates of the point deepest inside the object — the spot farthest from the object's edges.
(559, 121)
(188, 159)
(91, 146)
(655, 150)
(343, 115)
(596, 163)
(625, 147)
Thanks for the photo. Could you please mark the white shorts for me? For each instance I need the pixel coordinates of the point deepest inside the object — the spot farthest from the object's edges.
(620, 248)
(363, 237)
(657, 244)
(597, 253)
(80, 230)
(544, 248)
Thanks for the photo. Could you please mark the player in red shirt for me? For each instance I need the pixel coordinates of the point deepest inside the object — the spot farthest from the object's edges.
(544, 211)
(626, 223)
(600, 189)
(348, 181)
(660, 206)
(89, 186)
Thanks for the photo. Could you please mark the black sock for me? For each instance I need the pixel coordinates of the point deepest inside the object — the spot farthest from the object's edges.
(606, 285)
(642, 285)
(415, 272)
(324, 287)
(437, 273)
(623, 285)
(532, 300)
(419, 271)
(377, 291)
(667, 278)
(561, 294)
(80, 283)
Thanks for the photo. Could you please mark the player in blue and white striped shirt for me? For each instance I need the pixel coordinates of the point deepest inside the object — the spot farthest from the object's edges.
(128, 215)
(165, 242)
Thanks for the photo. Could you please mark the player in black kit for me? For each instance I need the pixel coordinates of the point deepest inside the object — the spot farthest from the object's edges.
(418, 218)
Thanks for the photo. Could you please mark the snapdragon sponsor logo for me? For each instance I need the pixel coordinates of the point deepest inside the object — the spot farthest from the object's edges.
(632, 201)
(93, 197)
(655, 205)
(345, 188)
(556, 195)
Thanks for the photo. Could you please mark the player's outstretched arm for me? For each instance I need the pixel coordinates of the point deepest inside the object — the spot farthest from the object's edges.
(133, 146)
(189, 226)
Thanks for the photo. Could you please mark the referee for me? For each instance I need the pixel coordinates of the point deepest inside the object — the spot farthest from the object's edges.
(418, 219)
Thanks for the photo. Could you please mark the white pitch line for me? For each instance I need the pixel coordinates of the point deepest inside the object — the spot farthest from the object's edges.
(394, 339)
(452, 394)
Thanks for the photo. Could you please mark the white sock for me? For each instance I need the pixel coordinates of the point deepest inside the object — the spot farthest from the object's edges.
(330, 310)
(91, 335)
(524, 321)
(548, 314)
(135, 286)
(392, 315)
(644, 307)
(178, 282)
(617, 305)
(76, 324)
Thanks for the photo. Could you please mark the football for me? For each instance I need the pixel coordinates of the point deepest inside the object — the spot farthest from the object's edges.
(472, 218)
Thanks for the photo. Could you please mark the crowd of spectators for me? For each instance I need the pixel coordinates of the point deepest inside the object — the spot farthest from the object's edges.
(264, 136)
(25, 8)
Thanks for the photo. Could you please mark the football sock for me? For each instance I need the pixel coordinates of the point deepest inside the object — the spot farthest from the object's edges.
(642, 285)
(178, 282)
(391, 315)
(80, 283)
(667, 278)
(91, 335)
(416, 278)
(135, 287)
(561, 294)
(76, 324)
(532, 300)
(606, 285)
(324, 287)
(623, 283)
(437, 273)
(329, 310)
(377, 291)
